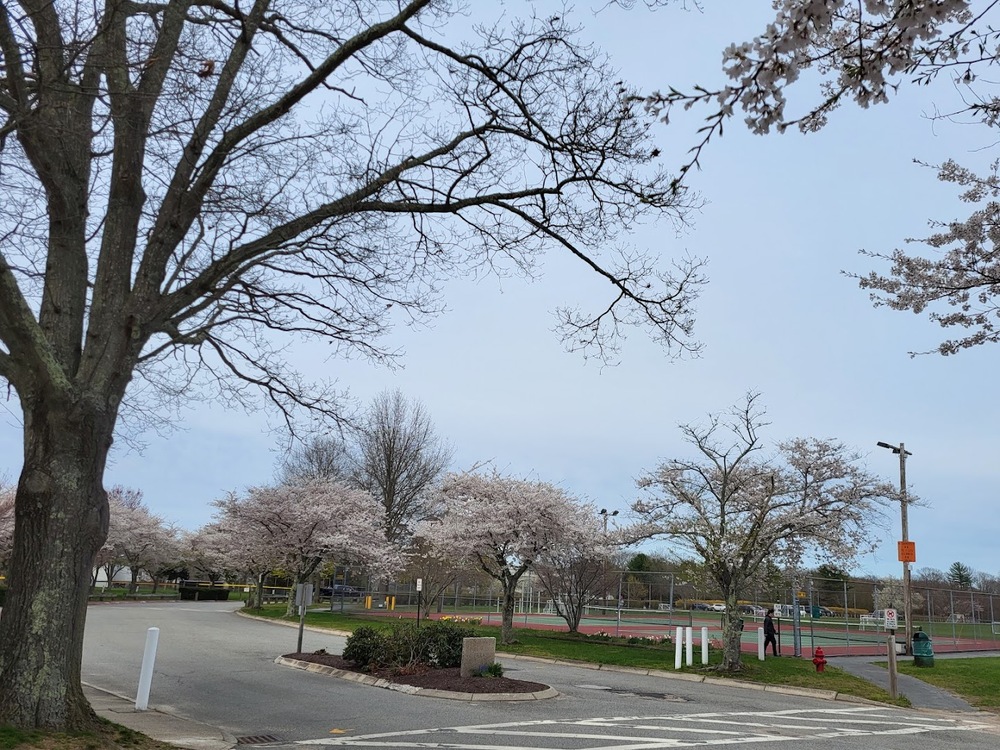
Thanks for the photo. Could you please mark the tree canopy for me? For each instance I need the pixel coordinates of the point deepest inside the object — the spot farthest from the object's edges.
(735, 506)
(189, 186)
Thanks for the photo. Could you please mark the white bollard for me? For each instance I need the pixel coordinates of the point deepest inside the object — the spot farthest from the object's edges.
(690, 645)
(704, 645)
(146, 673)
(678, 645)
(760, 644)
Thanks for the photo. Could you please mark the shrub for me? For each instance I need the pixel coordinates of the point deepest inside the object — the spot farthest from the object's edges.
(367, 647)
(491, 670)
(443, 643)
(436, 644)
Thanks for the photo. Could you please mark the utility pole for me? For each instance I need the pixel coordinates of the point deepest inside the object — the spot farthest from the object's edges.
(905, 548)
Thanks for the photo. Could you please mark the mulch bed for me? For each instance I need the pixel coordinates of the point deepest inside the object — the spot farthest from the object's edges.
(428, 677)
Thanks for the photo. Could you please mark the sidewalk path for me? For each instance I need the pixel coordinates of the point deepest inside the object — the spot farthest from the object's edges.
(920, 693)
(175, 730)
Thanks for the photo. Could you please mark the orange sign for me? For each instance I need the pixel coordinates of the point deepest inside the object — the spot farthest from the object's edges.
(907, 551)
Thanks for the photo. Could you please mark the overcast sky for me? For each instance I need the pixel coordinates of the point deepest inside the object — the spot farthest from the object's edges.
(784, 216)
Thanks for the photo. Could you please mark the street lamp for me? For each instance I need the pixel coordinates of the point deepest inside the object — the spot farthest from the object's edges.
(604, 514)
(901, 451)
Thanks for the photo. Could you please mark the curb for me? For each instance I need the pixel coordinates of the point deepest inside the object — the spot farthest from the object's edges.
(283, 623)
(830, 695)
(365, 679)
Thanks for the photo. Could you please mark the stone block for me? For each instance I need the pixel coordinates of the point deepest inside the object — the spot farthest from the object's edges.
(477, 654)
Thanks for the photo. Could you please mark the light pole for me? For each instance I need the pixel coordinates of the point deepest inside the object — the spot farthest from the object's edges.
(604, 514)
(904, 554)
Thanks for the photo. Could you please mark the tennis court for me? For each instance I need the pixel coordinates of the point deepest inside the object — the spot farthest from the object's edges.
(835, 637)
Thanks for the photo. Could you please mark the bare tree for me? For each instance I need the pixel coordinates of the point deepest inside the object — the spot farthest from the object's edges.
(325, 457)
(400, 456)
(185, 183)
(576, 571)
(736, 509)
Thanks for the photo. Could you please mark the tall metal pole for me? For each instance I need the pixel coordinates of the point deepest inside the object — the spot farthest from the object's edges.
(903, 508)
(903, 503)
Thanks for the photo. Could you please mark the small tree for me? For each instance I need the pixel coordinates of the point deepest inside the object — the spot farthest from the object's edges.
(735, 508)
(504, 525)
(960, 575)
(576, 569)
(437, 560)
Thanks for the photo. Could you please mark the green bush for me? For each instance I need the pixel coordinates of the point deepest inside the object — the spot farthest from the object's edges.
(367, 647)
(443, 643)
(491, 670)
(436, 644)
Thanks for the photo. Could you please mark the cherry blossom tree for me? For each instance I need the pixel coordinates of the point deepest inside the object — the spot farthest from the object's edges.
(577, 568)
(863, 51)
(233, 543)
(6, 524)
(858, 50)
(137, 539)
(504, 525)
(299, 526)
(956, 280)
(188, 186)
(735, 508)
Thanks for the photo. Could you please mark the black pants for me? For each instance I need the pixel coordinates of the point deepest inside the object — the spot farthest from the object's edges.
(774, 643)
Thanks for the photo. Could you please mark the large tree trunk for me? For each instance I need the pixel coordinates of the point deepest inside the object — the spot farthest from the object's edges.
(61, 521)
(507, 615)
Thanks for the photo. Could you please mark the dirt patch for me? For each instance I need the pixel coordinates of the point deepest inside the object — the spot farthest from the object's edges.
(428, 677)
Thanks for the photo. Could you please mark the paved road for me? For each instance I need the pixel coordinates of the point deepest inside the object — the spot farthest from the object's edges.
(218, 668)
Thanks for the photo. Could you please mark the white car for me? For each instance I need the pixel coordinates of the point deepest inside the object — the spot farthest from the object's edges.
(719, 607)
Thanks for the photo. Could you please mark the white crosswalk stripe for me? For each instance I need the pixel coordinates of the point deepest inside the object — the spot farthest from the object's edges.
(668, 731)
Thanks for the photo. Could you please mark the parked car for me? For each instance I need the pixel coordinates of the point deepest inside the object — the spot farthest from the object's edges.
(718, 607)
(701, 606)
(340, 590)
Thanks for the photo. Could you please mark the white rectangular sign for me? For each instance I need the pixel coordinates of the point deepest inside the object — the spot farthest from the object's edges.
(420, 584)
(891, 620)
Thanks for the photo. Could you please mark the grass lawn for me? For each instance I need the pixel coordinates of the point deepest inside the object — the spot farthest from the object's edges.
(975, 680)
(617, 652)
(107, 736)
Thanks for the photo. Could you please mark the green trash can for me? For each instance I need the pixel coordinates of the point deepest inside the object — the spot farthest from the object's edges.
(923, 651)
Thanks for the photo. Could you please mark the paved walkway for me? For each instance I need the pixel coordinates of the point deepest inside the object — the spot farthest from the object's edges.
(920, 693)
(166, 727)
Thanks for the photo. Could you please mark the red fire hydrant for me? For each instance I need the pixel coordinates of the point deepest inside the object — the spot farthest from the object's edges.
(818, 659)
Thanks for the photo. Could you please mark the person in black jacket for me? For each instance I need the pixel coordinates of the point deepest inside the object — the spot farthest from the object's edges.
(769, 632)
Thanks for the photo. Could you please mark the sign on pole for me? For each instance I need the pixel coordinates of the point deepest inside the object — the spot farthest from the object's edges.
(420, 584)
(907, 551)
(891, 619)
